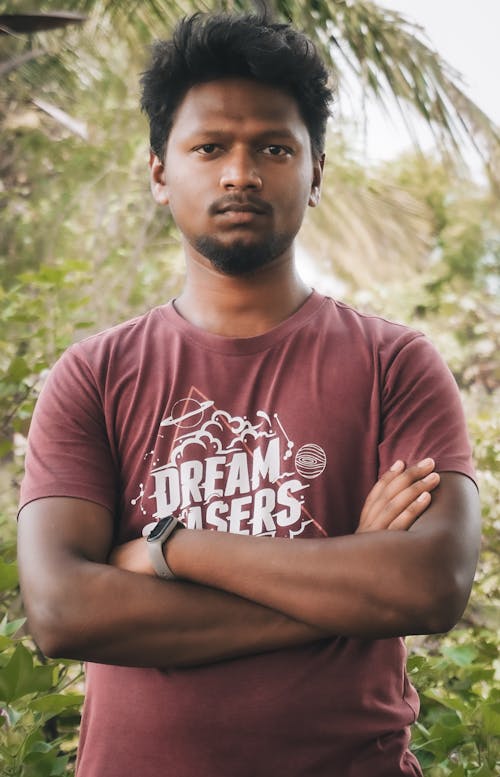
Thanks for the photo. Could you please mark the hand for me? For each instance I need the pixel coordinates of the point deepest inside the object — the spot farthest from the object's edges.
(132, 556)
(399, 497)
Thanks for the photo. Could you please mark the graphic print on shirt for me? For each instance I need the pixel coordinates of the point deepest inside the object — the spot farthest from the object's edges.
(230, 473)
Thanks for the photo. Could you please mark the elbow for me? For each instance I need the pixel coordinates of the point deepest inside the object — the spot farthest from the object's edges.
(49, 634)
(52, 628)
(51, 645)
(445, 604)
(59, 610)
(448, 575)
(439, 620)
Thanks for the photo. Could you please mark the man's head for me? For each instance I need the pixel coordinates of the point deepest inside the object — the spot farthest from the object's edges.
(209, 47)
(238, 109)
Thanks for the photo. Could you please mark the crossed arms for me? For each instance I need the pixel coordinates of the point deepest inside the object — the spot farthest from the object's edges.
(239, 595)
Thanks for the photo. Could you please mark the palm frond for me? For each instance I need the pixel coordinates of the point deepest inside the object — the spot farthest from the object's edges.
(368, 228)
(35, 22)
(395, 64)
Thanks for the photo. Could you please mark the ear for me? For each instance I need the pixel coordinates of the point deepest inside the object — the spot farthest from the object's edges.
(157, 179)
(318, 165)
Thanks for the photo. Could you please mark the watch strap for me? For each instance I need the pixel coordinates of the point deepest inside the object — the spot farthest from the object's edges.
(156, 535)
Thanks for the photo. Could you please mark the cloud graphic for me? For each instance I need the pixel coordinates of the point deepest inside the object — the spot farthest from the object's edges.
(204, 440)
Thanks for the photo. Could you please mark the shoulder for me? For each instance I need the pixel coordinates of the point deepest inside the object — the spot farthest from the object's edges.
(122, 336)
(383, 338)
(121, 344)
(373, 325)
(397, 354)
(102, 360)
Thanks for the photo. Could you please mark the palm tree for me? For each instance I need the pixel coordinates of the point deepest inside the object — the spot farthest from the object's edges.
(380, 49)
(384, 51)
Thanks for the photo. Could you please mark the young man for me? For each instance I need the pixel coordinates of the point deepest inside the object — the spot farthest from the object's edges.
(265, 639)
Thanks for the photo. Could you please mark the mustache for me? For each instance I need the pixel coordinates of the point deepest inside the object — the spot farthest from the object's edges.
(247, 202)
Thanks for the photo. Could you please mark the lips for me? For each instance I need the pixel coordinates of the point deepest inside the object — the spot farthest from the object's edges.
(241, 208)
(233, 205)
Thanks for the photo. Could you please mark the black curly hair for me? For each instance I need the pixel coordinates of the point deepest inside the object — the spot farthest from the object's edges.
(205, 47)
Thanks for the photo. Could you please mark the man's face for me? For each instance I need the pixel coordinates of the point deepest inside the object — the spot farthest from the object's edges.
(238, 173)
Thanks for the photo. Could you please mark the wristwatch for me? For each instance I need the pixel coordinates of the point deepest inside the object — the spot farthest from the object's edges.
(156, 535)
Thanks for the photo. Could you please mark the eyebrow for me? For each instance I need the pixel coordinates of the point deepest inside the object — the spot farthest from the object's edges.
(282, 133)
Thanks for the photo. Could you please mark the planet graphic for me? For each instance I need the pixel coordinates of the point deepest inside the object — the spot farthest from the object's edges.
(186, 413)
(310, 461)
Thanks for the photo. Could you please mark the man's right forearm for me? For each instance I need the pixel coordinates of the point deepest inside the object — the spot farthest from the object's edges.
(79, 606)
(119, 617)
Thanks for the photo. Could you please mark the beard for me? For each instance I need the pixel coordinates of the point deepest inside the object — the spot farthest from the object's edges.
(240, 257)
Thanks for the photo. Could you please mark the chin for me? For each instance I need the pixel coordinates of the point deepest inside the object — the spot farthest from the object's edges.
(240, 257)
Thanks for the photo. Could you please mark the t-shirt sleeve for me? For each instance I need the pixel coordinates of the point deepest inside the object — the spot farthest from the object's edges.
(68, 447)
(422, 413)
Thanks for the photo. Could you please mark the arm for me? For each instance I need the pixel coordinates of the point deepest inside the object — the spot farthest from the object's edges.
(368, 585)
(81, 607)
(373, 584)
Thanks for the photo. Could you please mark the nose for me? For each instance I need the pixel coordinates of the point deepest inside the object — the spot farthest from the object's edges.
(240, 171)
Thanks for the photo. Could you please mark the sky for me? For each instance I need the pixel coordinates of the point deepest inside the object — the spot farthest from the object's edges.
(466, 34)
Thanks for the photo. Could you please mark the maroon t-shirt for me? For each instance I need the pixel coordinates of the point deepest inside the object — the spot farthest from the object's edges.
(282, 434)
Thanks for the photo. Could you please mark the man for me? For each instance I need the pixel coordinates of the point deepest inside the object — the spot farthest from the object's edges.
(266, 638)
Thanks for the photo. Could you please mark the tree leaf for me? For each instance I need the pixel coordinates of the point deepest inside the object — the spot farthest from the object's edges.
(462, 655)
(490, 719)
(17, 370)
(56, 703)
(19, 677)
(9, 628)
(8, 576)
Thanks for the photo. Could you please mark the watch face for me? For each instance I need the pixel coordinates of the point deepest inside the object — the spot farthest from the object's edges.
(160, 527)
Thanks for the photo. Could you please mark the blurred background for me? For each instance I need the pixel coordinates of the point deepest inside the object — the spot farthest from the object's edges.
(408, 228)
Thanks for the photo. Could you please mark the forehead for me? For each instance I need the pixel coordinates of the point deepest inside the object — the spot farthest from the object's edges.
(240, 103)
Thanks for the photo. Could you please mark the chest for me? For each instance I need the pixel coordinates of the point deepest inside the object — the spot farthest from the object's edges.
(274, 446)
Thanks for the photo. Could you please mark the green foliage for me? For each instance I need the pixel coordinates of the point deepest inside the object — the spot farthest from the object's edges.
(39, 699)
(38, 320)
(458, 732)
(38, 714)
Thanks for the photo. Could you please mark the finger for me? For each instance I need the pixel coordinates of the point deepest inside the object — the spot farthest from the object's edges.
(407, 518)
(390, 487)
(411, 475)
(390, 511)
(383, 482)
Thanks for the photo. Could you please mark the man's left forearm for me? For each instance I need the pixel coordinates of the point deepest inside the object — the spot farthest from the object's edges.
(372, 585)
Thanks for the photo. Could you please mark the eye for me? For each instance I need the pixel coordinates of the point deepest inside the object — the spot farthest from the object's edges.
(206, 149)
(275, 150)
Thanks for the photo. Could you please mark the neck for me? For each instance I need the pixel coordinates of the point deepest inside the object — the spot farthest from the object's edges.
(241, 306)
